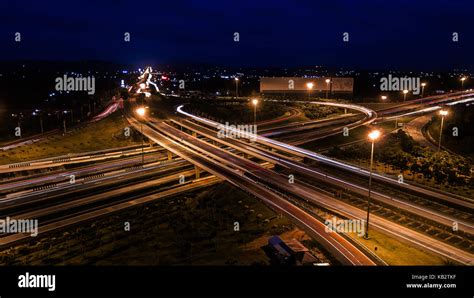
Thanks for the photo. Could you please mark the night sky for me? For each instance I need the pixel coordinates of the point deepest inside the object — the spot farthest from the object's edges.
(383, 34)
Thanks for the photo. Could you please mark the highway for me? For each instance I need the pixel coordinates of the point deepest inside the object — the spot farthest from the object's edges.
(85, 157)
(342, 249)
(426, 106)
(117, 183)
(397, 231)
(74, 219)
(297, 151)
(297, 167)
(415, 129)
(302, 125)
(293, 113)
(88, 184)
(51, 177)
(323, 129)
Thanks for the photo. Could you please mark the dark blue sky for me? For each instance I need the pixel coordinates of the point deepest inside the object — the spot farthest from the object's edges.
(383, 34)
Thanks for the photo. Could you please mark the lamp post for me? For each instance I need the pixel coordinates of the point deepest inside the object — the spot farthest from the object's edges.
(442, 113)
(310, 87)
(405, 94)
(423, 89)
(374, 135)
(255, 102)
(462, 82)
(327, 88)
(64, 122)
(38, 113)
(141, 112)
(236, 87)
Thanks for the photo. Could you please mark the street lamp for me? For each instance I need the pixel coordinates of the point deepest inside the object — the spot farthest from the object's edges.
(64, 122)
(236, 87)
(310, 87)
(405, 94)
(442, 113)
(327, 87)
(462, 82)
(423, 89)
(255, 102)
(383, 97)
(141, 111)
(39, 114)
(373, 135)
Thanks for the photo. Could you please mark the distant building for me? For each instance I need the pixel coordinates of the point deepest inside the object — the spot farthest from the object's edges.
(298, 85)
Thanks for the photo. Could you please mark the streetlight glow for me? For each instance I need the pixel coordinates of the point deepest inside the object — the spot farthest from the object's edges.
(443, 113)
(255, 102)
(327, 85)
(405, 94)
(384, 97)
(373, 135)
(462, 82)
(140, 111)
(236, 87)
(309, 85)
